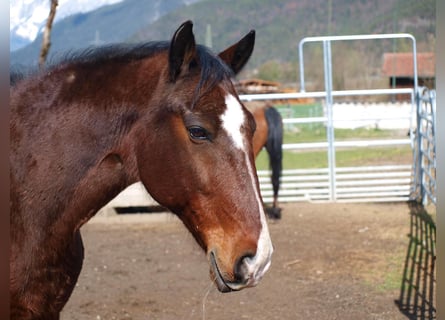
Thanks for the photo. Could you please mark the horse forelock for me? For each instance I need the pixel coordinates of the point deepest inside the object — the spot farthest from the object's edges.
(213, 69)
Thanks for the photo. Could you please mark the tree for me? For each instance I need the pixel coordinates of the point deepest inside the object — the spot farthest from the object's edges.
(270, 70)
(46, 43)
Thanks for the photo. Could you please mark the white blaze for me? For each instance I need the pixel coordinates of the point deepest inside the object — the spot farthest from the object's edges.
(232, 121)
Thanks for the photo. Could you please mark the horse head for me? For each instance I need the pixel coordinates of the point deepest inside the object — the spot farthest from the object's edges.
(201, 163)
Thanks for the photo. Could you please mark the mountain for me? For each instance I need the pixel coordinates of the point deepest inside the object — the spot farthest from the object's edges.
(28, 17)
(107, 24)
(280, 24)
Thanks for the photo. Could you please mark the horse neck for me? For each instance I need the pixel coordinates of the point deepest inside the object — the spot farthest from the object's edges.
(109, 116)
(116, 168)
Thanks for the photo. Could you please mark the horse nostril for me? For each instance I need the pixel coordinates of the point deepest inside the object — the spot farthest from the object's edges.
(242, 268)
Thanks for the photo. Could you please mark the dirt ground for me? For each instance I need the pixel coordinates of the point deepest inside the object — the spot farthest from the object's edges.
(331, 261)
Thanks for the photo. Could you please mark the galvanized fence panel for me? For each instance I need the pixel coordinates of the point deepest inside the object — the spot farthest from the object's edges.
(354, 184)
(341, 184)
(424, 140)
(361, 183)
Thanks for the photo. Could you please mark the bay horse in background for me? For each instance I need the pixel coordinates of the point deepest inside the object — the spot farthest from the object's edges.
(269, 134)
(163, 113)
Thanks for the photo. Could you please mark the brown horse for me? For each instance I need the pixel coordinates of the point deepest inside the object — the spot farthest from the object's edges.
(269, 134)
(164, 113)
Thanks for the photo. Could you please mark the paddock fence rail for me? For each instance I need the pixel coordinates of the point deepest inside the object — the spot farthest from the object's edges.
(389, 182)
(377, 183)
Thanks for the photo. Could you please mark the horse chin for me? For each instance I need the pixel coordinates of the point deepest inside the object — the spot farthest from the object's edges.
(222, 284)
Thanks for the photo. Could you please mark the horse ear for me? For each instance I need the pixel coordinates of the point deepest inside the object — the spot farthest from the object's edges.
(238, 54)
(182, 49)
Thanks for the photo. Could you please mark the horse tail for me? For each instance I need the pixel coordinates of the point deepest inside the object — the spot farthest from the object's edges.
(274, 146)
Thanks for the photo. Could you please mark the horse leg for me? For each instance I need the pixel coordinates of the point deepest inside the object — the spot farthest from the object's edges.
(275, 211)
(274, 149)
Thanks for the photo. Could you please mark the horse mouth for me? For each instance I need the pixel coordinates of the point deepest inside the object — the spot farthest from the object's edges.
(221, 284)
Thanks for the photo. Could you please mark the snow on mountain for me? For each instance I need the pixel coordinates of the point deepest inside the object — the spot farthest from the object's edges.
(28, 17)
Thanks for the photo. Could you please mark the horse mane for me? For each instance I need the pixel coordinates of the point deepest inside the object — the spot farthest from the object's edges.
(213, 69)
(121, 52)
(15, 76)
(20, 72)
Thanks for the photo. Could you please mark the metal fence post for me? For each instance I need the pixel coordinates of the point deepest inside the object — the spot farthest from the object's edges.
(327, 55)
(301, 58)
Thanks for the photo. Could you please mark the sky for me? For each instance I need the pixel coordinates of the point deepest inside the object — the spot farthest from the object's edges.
(27, 17)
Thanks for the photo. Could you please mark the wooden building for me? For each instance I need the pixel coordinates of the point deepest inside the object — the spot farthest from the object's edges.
(253, 86)
(259, 86)
(398, 67)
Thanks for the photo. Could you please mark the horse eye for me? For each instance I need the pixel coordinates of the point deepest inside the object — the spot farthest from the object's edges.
(198, 133)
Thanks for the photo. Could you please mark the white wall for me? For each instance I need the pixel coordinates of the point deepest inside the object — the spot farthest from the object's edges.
(399, 114)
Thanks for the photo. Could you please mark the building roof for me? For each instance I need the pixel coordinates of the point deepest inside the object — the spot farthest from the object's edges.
(257, 86)
(401, 65)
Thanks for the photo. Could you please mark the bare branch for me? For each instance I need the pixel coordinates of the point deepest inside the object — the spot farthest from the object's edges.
(46, 43)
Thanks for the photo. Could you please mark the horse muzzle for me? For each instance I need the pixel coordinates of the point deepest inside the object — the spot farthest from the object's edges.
(247, 271)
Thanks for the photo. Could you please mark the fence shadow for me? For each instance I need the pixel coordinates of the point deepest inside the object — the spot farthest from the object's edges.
(417, 298)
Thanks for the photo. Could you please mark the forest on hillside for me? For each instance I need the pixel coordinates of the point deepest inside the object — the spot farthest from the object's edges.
(281, 24)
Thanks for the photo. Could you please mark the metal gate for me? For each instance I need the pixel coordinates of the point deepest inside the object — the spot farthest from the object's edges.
(359, 183)
(424, 140)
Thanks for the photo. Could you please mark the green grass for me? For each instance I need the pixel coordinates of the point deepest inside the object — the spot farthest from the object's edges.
(344, 158)
(300, 110)
(317, 133)
(389, 275)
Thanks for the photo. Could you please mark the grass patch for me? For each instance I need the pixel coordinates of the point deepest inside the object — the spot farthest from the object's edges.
(317, 133)
(344, 158)
(389, 276)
